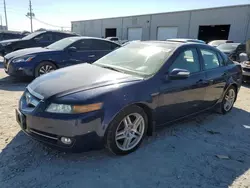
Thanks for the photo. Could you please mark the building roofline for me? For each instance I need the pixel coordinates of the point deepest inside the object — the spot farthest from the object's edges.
(181, 11)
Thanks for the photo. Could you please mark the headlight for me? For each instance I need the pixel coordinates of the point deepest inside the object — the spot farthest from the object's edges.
(73, 109)
(6, 44)
(23, 59)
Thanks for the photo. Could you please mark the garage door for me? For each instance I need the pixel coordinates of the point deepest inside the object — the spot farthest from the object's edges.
(164, 33)
(134, 33)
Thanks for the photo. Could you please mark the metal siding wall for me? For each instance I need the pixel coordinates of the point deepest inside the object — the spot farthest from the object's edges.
(76, 27)
(235, 16)
(136, 21)
(187, 22)
(248, 29)
(112, 23)
(93, 28)
(179, 20)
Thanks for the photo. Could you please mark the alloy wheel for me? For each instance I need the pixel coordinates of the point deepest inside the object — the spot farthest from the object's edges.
(130, 131)
(46, 69)
(229, 99)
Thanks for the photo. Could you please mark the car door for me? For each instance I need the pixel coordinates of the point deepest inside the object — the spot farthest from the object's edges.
(181, 97)
(216, 75)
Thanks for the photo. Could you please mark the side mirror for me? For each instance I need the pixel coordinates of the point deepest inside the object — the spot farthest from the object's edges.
(72, 49)
(179, 74)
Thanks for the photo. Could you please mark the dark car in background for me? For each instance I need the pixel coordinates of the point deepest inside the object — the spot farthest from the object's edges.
(232, 50)
(34, 62)
(216, 43)
(6, 35)
(36, 39)
(121, 97)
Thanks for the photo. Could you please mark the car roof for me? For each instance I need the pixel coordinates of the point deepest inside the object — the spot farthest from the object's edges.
(185, 40)
(176, 44)
(96, 38)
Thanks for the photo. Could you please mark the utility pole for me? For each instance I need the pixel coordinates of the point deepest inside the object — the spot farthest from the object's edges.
(30, 15)
(6, 21)
(1, 21)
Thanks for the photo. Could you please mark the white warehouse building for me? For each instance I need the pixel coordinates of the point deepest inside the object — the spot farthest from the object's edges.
(231, 22)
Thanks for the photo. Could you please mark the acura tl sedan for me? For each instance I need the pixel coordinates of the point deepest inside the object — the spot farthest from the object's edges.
(120, 98)
(33, 62)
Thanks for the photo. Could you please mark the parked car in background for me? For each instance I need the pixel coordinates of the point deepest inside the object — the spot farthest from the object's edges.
(36, 39)
(34, 62)
(119, 99)
(117, 40)
(216, 43)
(232, 50)
(186, 40)
(246, 70)
(6, 35)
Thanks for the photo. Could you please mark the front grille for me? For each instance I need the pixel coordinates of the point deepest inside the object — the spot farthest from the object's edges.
(246, 69)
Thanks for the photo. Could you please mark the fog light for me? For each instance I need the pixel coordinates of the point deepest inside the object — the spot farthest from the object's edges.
(66, 140)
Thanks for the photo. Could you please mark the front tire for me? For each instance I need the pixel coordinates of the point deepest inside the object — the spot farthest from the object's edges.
(44, 68)
(126, 132)
(228, 100)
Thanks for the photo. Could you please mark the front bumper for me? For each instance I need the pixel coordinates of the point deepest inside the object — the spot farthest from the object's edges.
(17, 70)
(50, 131)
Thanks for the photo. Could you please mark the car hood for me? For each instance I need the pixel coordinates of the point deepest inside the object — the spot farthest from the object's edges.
(28, 51)
(11, 40)
(77, 78)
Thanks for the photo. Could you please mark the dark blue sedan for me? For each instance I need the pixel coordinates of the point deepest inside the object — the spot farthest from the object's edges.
(121, 97)
(34, 62)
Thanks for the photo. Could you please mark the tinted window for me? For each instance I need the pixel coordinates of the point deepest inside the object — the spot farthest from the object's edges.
(241, 48)
(221, 60)
(101, 45)
(83, 45)
(187, 60)
(210, 59)
(114, 46)
(45, 37)
(57, 37)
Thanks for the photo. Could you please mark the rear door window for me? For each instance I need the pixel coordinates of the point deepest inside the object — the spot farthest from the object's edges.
(102, 45)
(210, 59)
(83, 45)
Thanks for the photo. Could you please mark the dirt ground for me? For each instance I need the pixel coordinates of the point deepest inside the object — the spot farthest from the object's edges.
(180, 155)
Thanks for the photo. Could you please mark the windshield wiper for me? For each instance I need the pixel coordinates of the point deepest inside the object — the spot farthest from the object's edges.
(111, 68)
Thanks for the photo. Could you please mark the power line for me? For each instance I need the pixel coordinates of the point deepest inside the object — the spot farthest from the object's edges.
(50, 24)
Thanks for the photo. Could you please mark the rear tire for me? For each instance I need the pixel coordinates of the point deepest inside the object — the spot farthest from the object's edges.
(127, 130)
(44, 68)
(228, 100)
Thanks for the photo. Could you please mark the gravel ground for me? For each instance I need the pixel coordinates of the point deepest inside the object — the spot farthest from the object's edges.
(181, 155)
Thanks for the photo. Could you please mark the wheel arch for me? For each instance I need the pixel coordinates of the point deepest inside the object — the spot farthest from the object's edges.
(148, 111)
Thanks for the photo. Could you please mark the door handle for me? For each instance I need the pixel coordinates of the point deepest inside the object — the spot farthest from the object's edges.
(225, 74)
(91, 56)
(200, 81)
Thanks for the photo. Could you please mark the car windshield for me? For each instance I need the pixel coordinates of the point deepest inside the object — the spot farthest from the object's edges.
(228, 46)
(62, 44)
(143, 59)
(32, 35)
